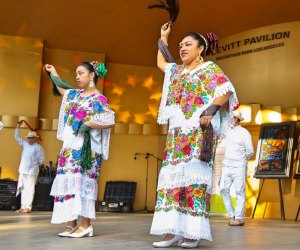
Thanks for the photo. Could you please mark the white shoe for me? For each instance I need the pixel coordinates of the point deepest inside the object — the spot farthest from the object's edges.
(66, 234)
(190, 244)
(168, 243)
(85, 232)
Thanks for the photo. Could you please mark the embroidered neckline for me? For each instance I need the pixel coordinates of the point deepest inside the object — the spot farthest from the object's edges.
(189, 71)
(81, 96)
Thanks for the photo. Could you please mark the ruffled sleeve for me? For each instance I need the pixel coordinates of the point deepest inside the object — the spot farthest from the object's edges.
(223, 85)
(62, 112)
(105, 117)
(162, 114)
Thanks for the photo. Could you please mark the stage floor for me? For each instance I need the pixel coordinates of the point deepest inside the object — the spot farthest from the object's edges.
(116, 231)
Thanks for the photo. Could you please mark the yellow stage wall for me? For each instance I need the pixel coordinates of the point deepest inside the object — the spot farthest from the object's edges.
(20, 66)
(268, 77)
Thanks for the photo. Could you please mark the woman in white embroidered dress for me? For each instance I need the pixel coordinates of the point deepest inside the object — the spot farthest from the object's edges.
(84, 126)
(197, 99)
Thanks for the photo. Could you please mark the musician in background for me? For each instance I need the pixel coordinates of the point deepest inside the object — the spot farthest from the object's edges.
(32, 156)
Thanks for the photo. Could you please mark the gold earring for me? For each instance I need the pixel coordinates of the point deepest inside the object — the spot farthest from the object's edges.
(199, 59)
(91, 84)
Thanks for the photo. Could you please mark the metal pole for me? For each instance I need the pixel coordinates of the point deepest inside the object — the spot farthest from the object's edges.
(297, 214)
(281, 201)
(146, 196)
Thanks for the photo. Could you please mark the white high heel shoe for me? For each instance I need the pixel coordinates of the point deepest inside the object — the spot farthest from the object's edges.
(190, 244)
(85, 232)
(168, 243)
(66, 234)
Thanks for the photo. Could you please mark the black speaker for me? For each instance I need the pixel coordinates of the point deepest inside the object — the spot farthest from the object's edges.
(42, 200)
(8, 199)
(118, 197)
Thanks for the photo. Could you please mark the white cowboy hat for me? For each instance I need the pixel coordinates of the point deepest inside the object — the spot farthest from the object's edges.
(32, 134)
(237, 114)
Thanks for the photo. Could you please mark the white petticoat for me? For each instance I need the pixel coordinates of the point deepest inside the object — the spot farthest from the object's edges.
(85, 190)
(72, 209)
(173, 221)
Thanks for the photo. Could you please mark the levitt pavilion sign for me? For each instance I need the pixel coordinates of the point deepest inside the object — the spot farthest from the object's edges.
(277, 37)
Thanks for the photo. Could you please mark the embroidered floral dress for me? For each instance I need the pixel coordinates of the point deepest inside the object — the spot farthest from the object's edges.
(185, 183)
(74, 189)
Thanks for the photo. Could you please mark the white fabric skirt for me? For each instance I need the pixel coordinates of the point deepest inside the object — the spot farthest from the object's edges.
(182, 207)
(74, 197)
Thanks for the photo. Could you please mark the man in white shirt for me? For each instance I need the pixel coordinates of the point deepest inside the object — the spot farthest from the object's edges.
(238, 150)
(32, 157)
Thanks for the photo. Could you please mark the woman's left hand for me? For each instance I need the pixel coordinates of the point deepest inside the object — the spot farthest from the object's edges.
(205, 120)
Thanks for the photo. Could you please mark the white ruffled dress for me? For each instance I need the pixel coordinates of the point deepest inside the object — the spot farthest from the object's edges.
(75, 189)
(185, 183)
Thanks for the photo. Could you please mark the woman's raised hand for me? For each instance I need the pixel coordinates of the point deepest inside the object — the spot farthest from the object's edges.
(165, 31)
(51, 69)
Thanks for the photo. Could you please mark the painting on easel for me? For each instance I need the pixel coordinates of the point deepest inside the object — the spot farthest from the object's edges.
(274, 150)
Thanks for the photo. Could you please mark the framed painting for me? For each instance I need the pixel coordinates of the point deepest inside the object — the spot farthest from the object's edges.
(297, 162)
(274, 150)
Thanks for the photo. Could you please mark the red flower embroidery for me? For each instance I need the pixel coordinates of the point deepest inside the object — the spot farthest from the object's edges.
(236, 107)
(198, 100)
(177, 196)
(165, 155)
(68, 197)
(222, 79)
(190, 202)
(188, 192)
(178, 99)
(187, 149)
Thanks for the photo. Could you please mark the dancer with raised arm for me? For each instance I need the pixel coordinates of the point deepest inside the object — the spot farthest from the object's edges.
(197, 102)
(84, 126)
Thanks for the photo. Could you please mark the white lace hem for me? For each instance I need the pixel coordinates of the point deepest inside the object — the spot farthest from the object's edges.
(174, 222)
(72, 209)
(228, 122)
(106, 118)
(105, 135)
(162, 118)
(60, 125)
(78, 184)
(185, 174)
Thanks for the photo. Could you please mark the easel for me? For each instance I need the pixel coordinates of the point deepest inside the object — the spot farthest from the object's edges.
(297, 213)
(281, 199)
